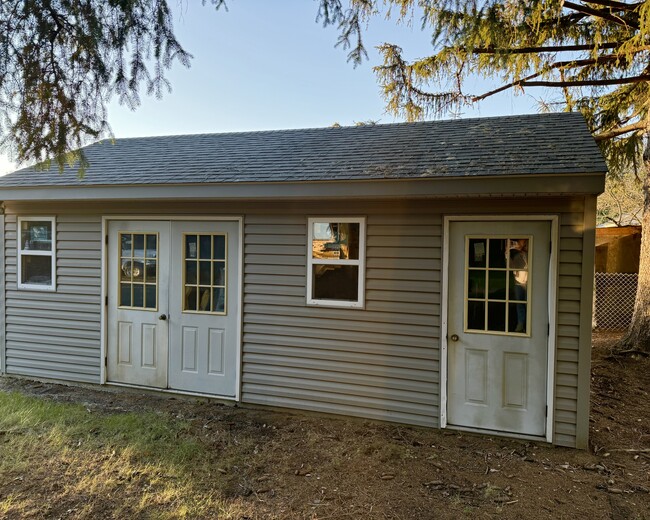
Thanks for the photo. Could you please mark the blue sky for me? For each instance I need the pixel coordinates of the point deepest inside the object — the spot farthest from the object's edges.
(268, 65)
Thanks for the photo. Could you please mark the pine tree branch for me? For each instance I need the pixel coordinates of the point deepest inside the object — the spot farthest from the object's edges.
(557, 65)
(622, 6)
(587, 82)
(604, 136)
(548, 48)
(601, 13)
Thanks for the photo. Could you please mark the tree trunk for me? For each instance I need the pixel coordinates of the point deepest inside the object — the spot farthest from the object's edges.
(638, 335)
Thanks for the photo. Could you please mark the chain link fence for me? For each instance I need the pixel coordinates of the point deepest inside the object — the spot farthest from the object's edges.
(614, 303)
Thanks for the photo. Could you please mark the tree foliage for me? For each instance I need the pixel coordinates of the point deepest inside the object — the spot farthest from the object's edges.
(622, 202)
(594, 54)
(62, 60)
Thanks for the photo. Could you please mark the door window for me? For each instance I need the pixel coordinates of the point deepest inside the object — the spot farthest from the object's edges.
(138, 276)
(497, 284)
(204, 273)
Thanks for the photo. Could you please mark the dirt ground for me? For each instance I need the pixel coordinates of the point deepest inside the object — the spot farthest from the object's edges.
(318, 467)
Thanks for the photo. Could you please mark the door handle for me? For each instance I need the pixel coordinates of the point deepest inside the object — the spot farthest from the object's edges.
(454, 337)
(162, 317)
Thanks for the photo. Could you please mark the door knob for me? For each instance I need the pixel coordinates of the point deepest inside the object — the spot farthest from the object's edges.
(454, 337)
(162, 317)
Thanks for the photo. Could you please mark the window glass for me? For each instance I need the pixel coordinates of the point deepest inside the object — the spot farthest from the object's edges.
(333, 240)
(36, 253)
(139, 270)
(497, 286)
(36, 270)
(204, 273)
(336, 282)
(336, 263)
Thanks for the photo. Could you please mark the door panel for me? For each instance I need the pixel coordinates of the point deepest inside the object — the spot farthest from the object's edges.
(204, 307)
(498, 325)
(138, 267)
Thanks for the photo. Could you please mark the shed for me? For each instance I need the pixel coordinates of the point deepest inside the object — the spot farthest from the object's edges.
(436, 274)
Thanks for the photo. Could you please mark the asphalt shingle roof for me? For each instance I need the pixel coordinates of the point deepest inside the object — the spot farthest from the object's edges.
(518, 145)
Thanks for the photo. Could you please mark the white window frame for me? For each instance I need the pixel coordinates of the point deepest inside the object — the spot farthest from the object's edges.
(32, 252)
(361, 262)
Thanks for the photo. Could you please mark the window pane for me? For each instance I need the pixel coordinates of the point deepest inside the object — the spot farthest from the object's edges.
(36, 235)
(126, 241)
(36, 270)
(125, 295)
(204, 273)
(138, 270)
(518, 285)
(334, 240)
(517, 317)
(150, 296)
(190, 272)
(476, 315)
(477, 252)
(152, 246)
(335, 282)
(204, 298)
(138, 245)
(205, 246)
(219, 244)
(219, 299)
(496, 316)
(190, 299)
(518, 253)
(138, 295)
(219, 270)
(191, 246)
(126, 269)
(476, 283)
(497, 248)
(497, 285)
(150, 271)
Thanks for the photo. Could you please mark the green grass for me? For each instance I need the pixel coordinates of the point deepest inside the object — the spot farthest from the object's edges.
(148, 459)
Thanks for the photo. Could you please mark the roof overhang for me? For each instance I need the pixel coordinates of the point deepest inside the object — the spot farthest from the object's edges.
(468, 186)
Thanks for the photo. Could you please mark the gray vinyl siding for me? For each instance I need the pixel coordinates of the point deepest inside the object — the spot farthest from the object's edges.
(380, 362)
(568, 326)
(56, 335)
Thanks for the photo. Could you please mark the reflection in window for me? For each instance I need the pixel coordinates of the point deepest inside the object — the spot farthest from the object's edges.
(204, 273)
(335, 264)
(36, 253)
(138, 270)
(497, 284)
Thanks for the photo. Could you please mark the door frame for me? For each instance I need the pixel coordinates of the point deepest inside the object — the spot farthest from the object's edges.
(552, 313)
(239, 294)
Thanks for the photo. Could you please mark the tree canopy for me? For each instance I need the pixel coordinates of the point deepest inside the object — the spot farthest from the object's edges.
(62, 60)
(593, 54)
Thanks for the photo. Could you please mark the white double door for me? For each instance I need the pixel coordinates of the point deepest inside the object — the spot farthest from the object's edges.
(498, 326)
(172, 307)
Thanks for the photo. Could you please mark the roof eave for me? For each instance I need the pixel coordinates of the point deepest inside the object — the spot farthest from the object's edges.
(468, 186)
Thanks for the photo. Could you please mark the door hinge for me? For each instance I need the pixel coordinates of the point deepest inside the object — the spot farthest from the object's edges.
(106, 239)
(106, 300)
(546, 411)
(105, 361)
(550, 247)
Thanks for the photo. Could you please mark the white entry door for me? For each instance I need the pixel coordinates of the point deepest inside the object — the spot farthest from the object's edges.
(204, 307)
(173, 305)
(497, 333)
(138, 283)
